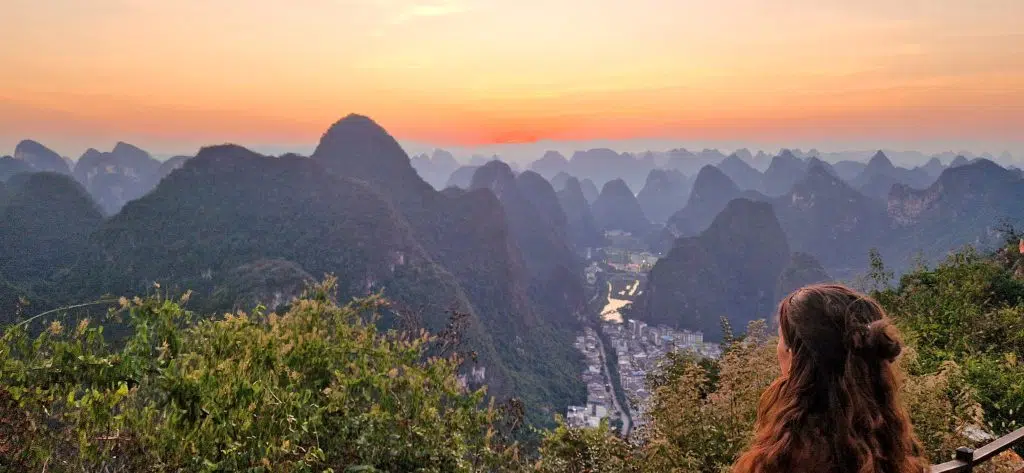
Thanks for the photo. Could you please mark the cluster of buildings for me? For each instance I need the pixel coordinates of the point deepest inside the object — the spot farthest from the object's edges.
(600, 398)
(640, 348)
(633, 262)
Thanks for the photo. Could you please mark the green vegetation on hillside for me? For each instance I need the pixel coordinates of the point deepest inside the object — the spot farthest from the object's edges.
(317, 388)
(968, 310)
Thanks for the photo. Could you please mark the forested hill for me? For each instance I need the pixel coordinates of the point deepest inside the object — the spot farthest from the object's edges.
(357, 209)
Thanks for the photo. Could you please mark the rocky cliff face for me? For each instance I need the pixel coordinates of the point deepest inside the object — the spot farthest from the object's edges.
(965, 205)
(113, 178)
(824, 216)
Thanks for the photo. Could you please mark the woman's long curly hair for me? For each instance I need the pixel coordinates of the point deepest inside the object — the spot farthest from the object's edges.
(838, 409)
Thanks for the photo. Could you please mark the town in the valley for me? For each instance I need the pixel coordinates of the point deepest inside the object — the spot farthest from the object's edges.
(620, 356)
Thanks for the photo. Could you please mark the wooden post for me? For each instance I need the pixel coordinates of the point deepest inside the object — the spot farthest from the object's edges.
(966, 455)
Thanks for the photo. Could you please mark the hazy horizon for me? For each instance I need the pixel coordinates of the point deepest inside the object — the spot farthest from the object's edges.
(525, 153)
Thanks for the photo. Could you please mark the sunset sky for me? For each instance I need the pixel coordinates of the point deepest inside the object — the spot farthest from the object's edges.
(171, 75)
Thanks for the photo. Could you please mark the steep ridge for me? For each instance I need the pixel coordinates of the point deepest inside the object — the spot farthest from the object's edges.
(436, 168)
(542, 196)
(712, 190)
(880, 175)
(357, 147)
(732, 269)
(48, 218)
(10, 166)
(803, 269)
(590, 191)
(550, 164)
(784, 170)
(742, 174)
(462, 177)
(617, 209)
(170, 165)
(814, 161)
(559, 180)
(933, 168)
(538, 226)
(582, 229)
(41, 158)
(964, 206)
(824, 216)
(113, 178)
(665, 192)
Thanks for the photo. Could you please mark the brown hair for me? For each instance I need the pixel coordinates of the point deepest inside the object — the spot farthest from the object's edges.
(838, 409)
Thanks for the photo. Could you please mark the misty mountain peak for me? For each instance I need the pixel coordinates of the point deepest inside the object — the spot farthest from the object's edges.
(492, 174)
(356, 146)
(618, 209)
(359, 137)
(710, 180)
(40, 157)
(880, 162)
(125, 148)
(445, 159)
(554, 155)
(226, 150)
(616, 187)
(786, 153)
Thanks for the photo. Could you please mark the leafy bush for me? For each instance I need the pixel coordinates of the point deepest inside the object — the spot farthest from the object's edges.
(968, 310)
(315, 389)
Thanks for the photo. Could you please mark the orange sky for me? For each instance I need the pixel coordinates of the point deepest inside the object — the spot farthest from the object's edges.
(172, 75)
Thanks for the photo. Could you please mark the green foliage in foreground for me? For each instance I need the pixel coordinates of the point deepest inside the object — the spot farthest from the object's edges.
(320, 388)
(968, 310)
(315, 389)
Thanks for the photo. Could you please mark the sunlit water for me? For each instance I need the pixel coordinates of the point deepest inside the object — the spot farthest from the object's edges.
(611, 313)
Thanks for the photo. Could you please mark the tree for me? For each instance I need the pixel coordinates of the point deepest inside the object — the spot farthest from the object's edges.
(317, 388)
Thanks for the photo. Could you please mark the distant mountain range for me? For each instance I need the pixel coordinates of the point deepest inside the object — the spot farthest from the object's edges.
(495, 246)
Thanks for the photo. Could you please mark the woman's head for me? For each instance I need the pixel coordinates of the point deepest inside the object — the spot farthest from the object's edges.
(820, 326)
(836, 407)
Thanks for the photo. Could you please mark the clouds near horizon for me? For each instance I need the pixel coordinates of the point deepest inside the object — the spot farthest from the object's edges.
(486, 71)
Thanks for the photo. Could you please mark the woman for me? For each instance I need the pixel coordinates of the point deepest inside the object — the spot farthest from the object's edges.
(836, 407)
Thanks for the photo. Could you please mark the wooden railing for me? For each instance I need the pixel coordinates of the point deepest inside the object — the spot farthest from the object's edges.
(967, 459)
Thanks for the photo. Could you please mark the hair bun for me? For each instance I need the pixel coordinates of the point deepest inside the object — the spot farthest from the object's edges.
(880, 342)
